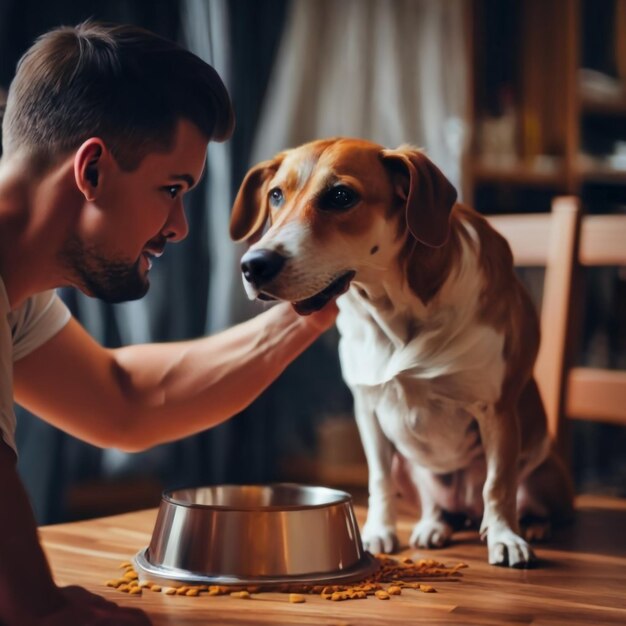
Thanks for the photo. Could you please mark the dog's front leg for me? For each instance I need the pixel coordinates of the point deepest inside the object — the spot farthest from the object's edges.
(379, 532)
(432, 531)
(500, 436)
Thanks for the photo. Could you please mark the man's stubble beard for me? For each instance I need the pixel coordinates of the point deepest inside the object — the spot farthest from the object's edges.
(111, 280)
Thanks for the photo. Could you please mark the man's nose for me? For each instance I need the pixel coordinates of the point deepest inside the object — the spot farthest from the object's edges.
(260, 266)
(177, 227)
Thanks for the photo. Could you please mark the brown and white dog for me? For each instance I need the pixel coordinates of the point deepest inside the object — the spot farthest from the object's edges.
(438, 337)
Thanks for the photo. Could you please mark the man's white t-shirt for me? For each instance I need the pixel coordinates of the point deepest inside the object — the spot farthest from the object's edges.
(21, 331)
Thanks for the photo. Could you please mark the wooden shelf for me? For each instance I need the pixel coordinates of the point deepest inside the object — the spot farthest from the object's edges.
(601, 173)
(519, 174)
(603, 106)
(525, 175)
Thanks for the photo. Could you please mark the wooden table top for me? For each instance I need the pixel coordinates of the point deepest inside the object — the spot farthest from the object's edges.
(581, 579)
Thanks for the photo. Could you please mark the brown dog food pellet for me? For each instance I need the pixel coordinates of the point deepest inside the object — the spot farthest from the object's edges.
(296, 598)
(169, 591)
(394, 590)
(135, 591)
(194, 591)
(381, 595)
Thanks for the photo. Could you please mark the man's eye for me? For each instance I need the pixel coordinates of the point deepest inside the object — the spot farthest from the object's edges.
(173, 190)
(338, 198)
(276, 197)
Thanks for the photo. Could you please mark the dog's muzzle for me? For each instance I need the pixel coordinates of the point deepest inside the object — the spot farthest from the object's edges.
(259, 267)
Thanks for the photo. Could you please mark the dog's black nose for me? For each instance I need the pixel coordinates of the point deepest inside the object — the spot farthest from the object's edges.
(260, 266)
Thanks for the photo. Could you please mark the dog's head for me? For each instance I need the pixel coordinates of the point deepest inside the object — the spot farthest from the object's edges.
(337, 210)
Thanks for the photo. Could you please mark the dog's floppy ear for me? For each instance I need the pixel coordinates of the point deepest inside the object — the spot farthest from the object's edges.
(250, 210)
(429, 197)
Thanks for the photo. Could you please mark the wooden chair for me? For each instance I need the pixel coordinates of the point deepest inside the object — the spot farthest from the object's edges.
(565, 243)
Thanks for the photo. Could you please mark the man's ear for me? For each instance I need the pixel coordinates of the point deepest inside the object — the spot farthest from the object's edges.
(88, 167)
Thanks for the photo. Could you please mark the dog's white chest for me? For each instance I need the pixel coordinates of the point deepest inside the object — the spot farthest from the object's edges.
(422, 378)
(450, 353)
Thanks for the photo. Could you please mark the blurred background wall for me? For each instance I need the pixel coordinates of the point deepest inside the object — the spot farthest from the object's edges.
(517, 101)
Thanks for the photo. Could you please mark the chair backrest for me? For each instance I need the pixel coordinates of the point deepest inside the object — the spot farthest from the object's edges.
(595, 393)
(564, 243)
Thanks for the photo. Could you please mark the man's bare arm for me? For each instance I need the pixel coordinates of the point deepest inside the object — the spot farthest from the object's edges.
(139, 396)
(22, 560)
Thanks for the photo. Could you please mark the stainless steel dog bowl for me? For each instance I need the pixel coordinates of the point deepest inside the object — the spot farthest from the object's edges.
(255, 534)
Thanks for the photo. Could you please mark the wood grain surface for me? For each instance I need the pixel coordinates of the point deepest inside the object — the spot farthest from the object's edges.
(581, 579)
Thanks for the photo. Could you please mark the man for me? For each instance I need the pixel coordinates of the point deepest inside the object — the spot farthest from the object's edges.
(105, 130)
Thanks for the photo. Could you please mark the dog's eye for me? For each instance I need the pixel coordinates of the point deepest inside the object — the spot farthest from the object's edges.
(276, 197)
(339, 197)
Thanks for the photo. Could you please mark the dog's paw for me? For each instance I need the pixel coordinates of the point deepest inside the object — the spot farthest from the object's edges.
(381, 540)
(507, 548)
(430, 533)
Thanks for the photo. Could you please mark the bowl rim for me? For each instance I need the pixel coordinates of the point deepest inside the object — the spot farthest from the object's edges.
(341, 497)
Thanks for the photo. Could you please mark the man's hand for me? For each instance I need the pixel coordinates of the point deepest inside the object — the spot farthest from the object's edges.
(28, 595)
(323, 319)
(83, 608)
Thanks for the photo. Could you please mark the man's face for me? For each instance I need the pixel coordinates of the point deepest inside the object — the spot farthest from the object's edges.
(134, 215)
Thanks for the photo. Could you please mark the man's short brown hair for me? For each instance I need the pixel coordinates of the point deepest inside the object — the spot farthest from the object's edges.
(121, 83)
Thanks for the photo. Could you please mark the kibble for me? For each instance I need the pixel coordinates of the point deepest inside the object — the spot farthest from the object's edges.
(389, 580)
(296, 598)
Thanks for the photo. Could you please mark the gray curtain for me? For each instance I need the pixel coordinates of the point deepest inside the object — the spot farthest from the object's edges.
(392, 72)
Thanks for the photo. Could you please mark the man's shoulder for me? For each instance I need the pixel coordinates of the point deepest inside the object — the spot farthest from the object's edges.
(39, 318)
